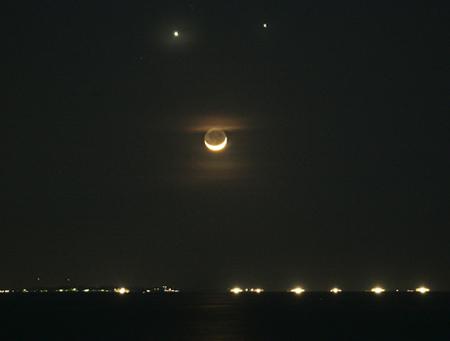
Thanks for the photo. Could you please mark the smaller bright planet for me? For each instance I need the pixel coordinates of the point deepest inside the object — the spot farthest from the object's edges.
(176, 34)
(215, 139)
(265, 25)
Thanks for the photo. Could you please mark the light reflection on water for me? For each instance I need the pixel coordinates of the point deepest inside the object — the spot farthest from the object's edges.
(268, 316)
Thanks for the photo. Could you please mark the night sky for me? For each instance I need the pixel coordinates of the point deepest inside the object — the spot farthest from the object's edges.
(336, 172)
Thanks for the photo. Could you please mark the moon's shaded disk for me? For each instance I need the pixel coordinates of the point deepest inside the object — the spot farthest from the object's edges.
(215, 139)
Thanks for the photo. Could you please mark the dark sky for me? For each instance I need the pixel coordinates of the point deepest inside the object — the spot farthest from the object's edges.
(337, 171)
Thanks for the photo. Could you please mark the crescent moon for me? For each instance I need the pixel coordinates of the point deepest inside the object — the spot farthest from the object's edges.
(217, 147)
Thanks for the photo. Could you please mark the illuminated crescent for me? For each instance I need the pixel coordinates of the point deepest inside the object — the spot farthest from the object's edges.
(217, 147)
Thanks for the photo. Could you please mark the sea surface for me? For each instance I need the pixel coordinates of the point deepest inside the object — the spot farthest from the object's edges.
(183, 316)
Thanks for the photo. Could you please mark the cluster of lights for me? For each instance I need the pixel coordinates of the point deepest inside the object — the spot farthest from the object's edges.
(256, 290)
(335, 290)
(237, 290)
(377, 290)
(422, 290)
(66, 290)
(88, 290)
(164, 289)
(297, 290)
(121, 291)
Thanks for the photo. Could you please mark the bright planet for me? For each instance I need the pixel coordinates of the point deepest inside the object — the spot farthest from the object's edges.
(215, 139)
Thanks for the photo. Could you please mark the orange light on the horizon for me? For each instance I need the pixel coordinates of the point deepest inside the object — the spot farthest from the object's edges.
(335, 290)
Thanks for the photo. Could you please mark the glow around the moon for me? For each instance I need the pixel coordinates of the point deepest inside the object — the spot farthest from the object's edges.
(215, 139)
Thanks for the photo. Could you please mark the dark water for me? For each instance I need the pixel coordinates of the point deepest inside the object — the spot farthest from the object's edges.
(311, 316)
